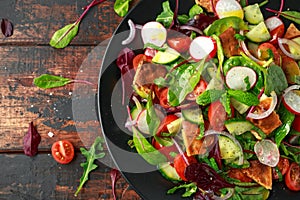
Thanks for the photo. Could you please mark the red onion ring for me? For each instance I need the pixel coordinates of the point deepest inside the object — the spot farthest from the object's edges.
(226, 196)
(191, 28)
(282, 41)
(132, 33)
(267, 112)
(213, 132)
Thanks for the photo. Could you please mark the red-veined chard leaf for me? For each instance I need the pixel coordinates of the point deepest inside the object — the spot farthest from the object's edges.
(6, 27)
(115, 175)
(31, 141)
(62, 37)
(47, 81)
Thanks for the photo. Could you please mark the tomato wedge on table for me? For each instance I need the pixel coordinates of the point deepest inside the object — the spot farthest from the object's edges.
(63, 151)
(292, 177)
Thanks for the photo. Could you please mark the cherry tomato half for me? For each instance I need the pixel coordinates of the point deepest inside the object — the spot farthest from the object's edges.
(217, 116)
(292, 177)
(181, 162)
(277, 33)
(138, 60)
(63, 151)
(283, 166)
(180, 43)
(267, 50)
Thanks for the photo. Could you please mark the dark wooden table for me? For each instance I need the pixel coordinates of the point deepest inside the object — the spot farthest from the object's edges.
(68, 111)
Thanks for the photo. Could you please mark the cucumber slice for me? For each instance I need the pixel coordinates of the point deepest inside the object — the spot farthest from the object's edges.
(169, 172)
(193, 115)
(238, 126)
(228, 149)
(240, 107)
(259, 33)
(165, 57)
(253, 14)
(175, 126)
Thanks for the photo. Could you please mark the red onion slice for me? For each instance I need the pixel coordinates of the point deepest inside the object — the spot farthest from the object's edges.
(191, 28)
(213, 132)
(267, 112)
(282, 41)
(132, 33)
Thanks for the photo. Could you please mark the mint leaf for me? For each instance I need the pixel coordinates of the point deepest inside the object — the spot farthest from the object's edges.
(275, 80)
(246, 98)
(209, 96)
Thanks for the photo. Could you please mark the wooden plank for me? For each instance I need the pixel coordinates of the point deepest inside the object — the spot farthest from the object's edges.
(41, 177)
(52, 110)
(35, 21)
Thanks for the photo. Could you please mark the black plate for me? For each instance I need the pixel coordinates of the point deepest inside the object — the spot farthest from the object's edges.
(147, 182)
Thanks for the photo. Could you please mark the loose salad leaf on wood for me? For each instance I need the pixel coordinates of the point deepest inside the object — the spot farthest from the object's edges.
(7, 27)
(64, 36)
(121, 7)
(31, 141)
(95, 152)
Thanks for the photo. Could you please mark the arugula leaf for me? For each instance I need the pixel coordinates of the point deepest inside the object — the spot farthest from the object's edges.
(188, 77)
(146, 150)
(47, 81)
(95, 152)
(190, 188)
(275, 80)
(209, 96)
(246, 98)
(291, 15)
(62, 37)
(121, 7)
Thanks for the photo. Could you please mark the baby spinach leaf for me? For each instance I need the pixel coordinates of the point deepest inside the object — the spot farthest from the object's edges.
(146, 150)
(95, 152)
(275, 80)
(121, 7)
(47, 81)
(246, 98)
(31, 141)
(62, 37)
(152, 119)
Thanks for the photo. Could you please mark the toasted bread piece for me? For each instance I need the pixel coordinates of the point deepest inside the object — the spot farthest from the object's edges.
(260, 173)
(206, 4)
(229, 43)
(292, 32)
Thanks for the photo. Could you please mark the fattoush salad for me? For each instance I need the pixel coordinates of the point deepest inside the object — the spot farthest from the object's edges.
(214, 98)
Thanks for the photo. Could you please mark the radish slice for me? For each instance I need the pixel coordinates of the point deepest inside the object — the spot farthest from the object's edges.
(142, 120)
(202, 47)
(267, 112)
(273, 22)
(291, 99)
(267, 152)
(236, 78)
(227, 8)
(154, 33)
(295, 45)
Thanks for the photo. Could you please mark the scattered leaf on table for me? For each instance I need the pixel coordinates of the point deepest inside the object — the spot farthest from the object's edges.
(31, 141)
(6, 27)
(62, 37)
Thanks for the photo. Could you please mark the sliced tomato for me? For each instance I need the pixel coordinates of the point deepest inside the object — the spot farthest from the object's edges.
(200, 87)
(276, 28)
(267, 50)
(63, 151)
(165, 150)
(179, 43)
(217, 116)
(292, 177)
(181, 161)
(138, 60)
(283, 166)
(162, 95)
(163, 124)
(296, 123)
(239, 175)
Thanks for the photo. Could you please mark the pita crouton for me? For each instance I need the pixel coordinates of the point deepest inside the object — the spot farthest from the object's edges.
(206, 4)
(292, 32)
(260, 173)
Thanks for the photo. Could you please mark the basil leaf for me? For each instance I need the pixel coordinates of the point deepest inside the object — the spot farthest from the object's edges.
(291, 15)
(146, 150)
(121, 7)
(195, 10)
(95, 152)
(62, 37)
(275, 80)
(47, 81)
(246, 98)
(209, 96)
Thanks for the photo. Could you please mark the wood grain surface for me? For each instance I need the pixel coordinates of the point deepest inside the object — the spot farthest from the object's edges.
(68, 112)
